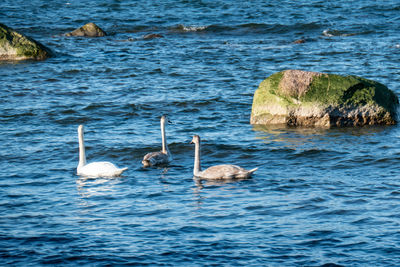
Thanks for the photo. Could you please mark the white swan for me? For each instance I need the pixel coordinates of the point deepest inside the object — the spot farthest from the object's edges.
(225, 171)
(94, 169)
(162, 157)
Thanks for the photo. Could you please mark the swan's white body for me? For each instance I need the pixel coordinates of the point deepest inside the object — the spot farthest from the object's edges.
(225, 171)
(94, 169)
(162, 157)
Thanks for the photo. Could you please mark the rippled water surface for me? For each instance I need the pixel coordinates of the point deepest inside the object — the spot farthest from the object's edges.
(320, 196)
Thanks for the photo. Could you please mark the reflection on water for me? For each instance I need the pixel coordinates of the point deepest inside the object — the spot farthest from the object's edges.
(90, 187)
(204, 183)
(314, 137)
(201, 184)
(164, 172)
(306, 131)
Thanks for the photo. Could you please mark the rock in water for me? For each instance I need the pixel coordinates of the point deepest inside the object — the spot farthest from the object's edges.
(303, 98)
(88, 30)
(15, 46)
(152, 36)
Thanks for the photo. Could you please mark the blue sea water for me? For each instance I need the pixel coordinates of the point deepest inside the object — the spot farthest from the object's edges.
(319, 197)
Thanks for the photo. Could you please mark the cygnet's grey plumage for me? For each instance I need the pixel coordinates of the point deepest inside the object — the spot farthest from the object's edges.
(162, 157)
(225, 171)
(155, 158)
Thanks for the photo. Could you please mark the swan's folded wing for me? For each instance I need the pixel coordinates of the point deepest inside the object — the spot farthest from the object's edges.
(100, 169)
(155, 158)
(225, 171)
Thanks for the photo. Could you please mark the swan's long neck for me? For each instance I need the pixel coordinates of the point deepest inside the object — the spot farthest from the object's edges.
(82, 155)
(164, 138)
(197, 166)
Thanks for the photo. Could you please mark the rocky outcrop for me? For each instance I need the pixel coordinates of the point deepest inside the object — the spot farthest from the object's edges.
(15, 46)
(303, 98)
(88, 30)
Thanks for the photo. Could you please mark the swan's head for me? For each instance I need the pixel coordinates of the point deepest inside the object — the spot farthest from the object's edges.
(80, 128)
(195, 140)
(146, 163)
(164, 119)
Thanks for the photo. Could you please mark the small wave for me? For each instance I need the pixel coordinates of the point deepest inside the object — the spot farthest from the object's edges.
(337, 33)
(183, 28)
(197, 103)
(320, 233)
(276, 27)
(330, 264)
(18, 115)
(248, 28)
(321, 242)
(321, 154)
(94, 106)
(72, 71)
(255, 207)
(195, 229)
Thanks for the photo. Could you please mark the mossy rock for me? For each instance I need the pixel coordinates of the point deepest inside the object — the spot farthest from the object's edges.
(88, 30)
(303, 98)
(15, 46)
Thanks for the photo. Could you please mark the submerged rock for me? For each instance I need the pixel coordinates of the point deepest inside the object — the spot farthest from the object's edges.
(15, 46)
(303, 98)
(152, 36)
(88, 30)
(299, 41)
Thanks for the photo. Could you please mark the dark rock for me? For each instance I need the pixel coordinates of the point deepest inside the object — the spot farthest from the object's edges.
(152, 36)
(88, 30)
(15, 46)
(299, 41)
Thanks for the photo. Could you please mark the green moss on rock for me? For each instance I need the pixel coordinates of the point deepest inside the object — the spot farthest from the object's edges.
(296, 97)
(15, 46)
